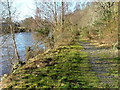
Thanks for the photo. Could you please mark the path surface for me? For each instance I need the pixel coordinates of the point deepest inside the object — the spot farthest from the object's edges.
(101, 60)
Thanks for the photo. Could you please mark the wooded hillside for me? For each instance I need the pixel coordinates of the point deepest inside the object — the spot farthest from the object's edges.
(97, 22)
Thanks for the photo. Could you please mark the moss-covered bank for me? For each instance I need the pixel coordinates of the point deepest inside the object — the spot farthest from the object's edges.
(64, 67)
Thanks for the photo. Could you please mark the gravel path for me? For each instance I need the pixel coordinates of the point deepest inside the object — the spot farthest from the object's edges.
(101, 65)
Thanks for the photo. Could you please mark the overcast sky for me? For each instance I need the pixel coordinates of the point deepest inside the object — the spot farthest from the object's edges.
(25, 8)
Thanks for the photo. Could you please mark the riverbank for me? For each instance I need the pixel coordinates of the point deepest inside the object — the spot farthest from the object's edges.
(65, 67)
(23, 40)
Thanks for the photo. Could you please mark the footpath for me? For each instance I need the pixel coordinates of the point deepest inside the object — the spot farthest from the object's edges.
(104, 64)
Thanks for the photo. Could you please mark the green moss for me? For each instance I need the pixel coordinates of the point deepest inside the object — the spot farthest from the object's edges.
(65, 67)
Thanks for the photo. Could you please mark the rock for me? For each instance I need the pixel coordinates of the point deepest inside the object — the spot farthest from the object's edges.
(3, 77)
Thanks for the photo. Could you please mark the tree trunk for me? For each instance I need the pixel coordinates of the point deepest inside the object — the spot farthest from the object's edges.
(12, 31)
(63, 13)
(55, 14)
(14, 43)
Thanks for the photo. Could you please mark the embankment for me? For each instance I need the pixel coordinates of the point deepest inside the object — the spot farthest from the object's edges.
(64, 67)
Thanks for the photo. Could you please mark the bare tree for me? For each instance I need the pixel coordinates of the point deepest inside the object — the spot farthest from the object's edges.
(7, 4)
(46, 13)
(63, 15)
(105, 8)
(54, 13)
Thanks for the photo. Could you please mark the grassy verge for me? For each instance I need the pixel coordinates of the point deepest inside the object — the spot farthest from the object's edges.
(64, 67)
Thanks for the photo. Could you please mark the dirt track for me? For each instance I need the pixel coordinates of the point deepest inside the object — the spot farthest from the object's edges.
(102, 63)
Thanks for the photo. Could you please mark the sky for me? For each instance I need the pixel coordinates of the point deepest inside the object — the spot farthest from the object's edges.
(25, 8)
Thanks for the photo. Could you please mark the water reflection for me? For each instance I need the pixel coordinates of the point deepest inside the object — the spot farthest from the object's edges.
(23, 40)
